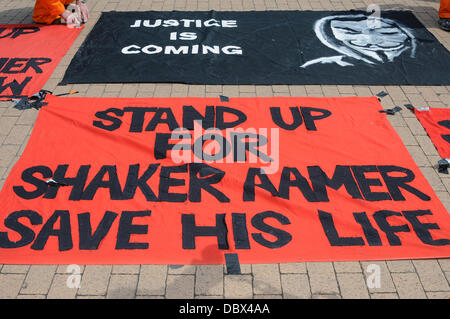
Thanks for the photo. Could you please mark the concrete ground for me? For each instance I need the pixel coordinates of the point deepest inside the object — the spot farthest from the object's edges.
(399, 279)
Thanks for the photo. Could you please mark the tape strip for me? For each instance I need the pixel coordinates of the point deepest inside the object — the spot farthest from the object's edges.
(392, 111)
(232, 262)
(381, 94)
(224, 98)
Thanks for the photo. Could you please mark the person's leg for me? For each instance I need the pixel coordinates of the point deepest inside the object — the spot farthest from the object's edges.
(444, 15)
(47, 11)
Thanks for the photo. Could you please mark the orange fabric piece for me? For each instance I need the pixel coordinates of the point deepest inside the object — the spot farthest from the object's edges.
(128, 201)
(444, 9)
(47, 11)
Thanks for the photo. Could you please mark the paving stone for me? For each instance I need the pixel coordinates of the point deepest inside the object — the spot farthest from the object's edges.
(293, 268)
(406, 136)
(383, 295)
(238, 287)
(265, 91)
(295, 286)
(426, 145)
(418, 155)
(10, 285)
(431, 275)
(95, 279)
(415, 126)
(444, 263)
(352, 286)
(400, 266)
(347, 266)
(59, 288)
(266, 279)
(180, 287)
(122, 287)
(438, 295)
(322, 278)
(7, 124)
(209, 280)
(408, 286)
(297, 90)
(152, 280)
(433, 178)
(17, 134)
(126, 269)
(38, 279)
(15, 269)
(197, 90)
(182, 269)
(31, 297)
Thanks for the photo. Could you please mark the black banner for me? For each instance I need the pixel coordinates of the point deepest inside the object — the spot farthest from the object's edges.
(270, 47)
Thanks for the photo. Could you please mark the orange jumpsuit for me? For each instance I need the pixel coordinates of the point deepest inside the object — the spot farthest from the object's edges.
(47, 11)
(444, 10)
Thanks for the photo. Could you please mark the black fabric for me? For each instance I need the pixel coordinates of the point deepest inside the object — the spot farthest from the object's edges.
(233, 266)
(391, 111)
(269, 47)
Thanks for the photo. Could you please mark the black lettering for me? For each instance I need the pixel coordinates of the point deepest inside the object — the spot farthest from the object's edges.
(157, 119)
(250, 184)
(13, 63)
(78, 182)
(394, 184)
(422, 229)
(301, 183)
(202, 176)
(166, 182)
(190, 114)
(162, 145)
(134, 181)
(138, 117)
(24, 30)
(35, 63)
(282, 237)
(310, 119)
(365, 183)
(242, 144)
(7, 34)
(28, 177)
(220, 122)
(278, 119)
(372, 236)
(105, 115)
(342, 177)
(27, 235)
(326, 219)
(240, 231)
(64, 233)
(127, 228)
(381, 219)
(97, 182)
(15, 87)
(191, 231)
(89, 240)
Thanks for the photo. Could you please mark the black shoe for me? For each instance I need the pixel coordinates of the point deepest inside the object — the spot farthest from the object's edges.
(444, 24)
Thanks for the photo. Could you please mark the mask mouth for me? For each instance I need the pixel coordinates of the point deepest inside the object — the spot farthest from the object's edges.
(377, 47)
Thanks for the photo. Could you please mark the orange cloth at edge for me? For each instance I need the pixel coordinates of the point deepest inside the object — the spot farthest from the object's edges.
(47, 11)
(444, 10)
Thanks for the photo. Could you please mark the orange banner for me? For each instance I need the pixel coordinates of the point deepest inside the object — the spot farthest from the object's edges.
(436, 122)
(29, 53)
(188, 180)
